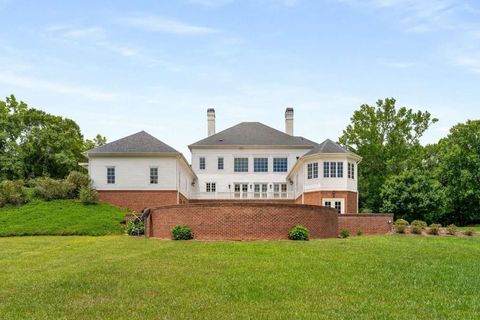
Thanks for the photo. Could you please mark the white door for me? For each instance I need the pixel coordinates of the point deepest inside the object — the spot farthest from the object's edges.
(241, 190)
(260, 190)
(337, 204)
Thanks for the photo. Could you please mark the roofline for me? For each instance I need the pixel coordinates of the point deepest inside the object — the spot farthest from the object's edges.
(302, 159)
(182, 158)
(131, 154)
(246, 146)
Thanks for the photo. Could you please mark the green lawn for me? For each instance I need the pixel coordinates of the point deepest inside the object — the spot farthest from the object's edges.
(60, 217)
(120, 277)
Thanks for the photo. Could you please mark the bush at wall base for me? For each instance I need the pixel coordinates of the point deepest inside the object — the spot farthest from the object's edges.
(181, 232)
(88, 195)
(135, 228)
(344, 233)
(298, 233)
(401, 225)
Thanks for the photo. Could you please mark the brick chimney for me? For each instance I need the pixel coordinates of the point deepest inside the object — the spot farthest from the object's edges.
(289, 121)
(211, 121)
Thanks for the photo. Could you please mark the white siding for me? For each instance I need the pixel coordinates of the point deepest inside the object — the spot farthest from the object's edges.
(227, 176)
(133, 173)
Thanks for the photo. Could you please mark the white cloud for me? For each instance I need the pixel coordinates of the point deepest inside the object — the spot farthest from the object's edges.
(471, 63)
(152, 23)
(71, 32)
(18, 80)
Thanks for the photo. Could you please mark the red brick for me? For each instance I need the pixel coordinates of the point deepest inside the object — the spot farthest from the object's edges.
(366, 223)
(138, 200)
(243, 221)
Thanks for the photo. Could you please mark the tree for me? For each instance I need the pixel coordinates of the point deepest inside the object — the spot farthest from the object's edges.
(34, 143)
(98, 141)
(388, 141)
(414, 195)
(458, 157)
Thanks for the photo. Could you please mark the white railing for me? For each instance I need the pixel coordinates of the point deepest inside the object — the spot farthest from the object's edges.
(250, 195)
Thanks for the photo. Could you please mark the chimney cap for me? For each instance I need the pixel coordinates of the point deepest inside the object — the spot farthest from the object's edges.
(289, 110)
(211, 110)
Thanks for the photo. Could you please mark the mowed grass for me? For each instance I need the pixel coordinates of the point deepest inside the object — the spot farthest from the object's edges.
(60, 217)
(120, 277)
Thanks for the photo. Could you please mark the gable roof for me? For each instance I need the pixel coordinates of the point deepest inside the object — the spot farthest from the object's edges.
(327, 146)
(253, 134)
(140, 142)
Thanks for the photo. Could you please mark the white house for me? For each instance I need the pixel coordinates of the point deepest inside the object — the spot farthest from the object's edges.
(247, 162)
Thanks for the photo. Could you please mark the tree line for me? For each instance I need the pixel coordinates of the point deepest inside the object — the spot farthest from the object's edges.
(35, 144)
(436, 183)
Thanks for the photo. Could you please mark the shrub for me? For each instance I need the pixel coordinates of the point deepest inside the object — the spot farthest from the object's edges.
(78, 180)
(434, 228)
(452, 229)
(181, 232)
(469, 232)
(88, 195)
(416, 229)
(298, 233)
(401, 225)
(51, 189)
(359, 233)
(135, 227)
(344, 233)
(12, 192)
(419, 223)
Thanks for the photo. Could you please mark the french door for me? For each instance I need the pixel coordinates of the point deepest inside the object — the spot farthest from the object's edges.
(337, 204)
(260, 190)
(241, 190)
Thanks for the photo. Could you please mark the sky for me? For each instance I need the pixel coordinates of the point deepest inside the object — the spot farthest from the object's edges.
(118, 67)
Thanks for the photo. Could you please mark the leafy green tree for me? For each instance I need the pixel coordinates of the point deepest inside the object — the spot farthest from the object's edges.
(387, 138)
(459, 171)
(414, 195)
(34, 143)
(99, 140)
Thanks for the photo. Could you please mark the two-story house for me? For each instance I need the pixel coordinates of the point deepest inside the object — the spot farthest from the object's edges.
(247, 162)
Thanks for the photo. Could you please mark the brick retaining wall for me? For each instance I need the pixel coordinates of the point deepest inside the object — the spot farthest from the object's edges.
(366, 223)
(138, 200)
(243, 221)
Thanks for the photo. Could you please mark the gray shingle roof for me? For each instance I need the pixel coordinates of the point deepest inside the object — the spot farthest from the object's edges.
(140, 142)
(253, 134)
(327, 146)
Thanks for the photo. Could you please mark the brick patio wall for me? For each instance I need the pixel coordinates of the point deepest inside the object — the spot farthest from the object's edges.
(138, 200)
(366, 223)
(243, 221)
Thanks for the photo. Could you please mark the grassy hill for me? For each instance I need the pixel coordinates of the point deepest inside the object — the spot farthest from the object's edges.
(120, 277)
(60, 217)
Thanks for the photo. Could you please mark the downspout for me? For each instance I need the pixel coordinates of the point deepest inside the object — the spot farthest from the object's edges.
(176, 180)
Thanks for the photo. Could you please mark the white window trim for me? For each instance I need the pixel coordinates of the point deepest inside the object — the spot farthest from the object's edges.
(332, 200)
(223, 163)
(114, 176)
(150, 175)
(199, 161)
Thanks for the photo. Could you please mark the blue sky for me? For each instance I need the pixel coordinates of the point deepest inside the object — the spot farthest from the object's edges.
(118, 67)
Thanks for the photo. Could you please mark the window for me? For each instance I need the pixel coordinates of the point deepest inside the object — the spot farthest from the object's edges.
(333, 169)
(111, 175)
(153, 175)
(260, 190)
(260, 164)
(326, 169)
(202, 163)
(220, 163)
(338, 206)
(340, 169)
(351, 170)
(240, 164)
(279, 190)
(211, 187)
(315, 170)
(310, 171)
(280, 164)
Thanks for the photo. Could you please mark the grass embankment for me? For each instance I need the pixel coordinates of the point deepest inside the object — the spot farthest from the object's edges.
(119, 277)
(60, 217)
